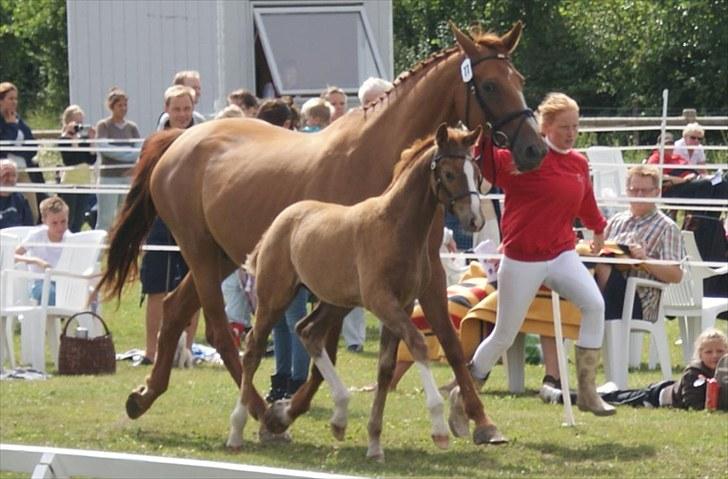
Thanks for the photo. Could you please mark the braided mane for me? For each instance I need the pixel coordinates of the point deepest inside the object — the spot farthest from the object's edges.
(488, 40)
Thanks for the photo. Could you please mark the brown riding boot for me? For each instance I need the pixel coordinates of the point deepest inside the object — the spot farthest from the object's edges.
(587, 398)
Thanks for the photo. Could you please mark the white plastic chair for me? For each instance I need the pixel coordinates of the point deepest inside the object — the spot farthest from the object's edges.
(15, 298)
(75, 276)
(685, 299)
(609, 175)
(618, 332)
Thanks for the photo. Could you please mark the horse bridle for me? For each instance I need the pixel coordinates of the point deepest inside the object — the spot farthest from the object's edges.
(498, 137)
(452, 198)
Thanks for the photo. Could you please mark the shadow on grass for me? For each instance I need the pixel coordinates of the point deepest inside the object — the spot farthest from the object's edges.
(605, 451)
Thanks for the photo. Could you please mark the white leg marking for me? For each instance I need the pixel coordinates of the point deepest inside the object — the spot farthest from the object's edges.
(434, 401)
(338, 390)
(238, 418)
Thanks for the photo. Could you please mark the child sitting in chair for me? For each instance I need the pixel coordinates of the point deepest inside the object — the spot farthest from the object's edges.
(41, 249)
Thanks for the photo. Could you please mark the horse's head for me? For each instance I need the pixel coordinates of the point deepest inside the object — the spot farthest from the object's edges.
(493, 94)
(456, 177)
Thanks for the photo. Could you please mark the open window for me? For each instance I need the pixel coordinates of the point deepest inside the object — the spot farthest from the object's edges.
(308, 48)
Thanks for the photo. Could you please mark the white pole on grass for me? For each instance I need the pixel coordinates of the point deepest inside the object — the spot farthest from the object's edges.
(663, 127)
(561, 355)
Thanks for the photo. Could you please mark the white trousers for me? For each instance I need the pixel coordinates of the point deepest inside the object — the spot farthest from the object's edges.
(518, 282)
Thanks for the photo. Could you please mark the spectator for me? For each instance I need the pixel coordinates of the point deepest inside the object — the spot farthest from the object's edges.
(38, 249)
(247, 102)
(316, 113)
(650, 234)
(275, 112)
(162, 271)
(337, 98)
(119, 131)
(373, 89)
(13, 128)
(73, 128)
(230, 111)
(14, 208)
(539, 249)
(190, 79)
(670, 176)
(689, 146)
(292, 360)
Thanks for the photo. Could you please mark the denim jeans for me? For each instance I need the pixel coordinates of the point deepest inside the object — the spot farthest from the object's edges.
(37, 290)
(291, 357)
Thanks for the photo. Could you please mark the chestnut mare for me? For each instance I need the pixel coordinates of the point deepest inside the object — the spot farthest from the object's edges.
(371, 254)
(220, 184)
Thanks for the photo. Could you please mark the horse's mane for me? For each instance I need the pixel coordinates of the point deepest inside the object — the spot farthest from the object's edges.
(410, 156)
(488, 40)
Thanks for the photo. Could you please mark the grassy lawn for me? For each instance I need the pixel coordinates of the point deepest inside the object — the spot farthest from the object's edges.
(191, 421)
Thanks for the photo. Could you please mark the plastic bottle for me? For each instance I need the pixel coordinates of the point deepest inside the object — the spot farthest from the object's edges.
(711, 394)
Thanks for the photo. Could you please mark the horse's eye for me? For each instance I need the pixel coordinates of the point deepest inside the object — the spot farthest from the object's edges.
(449, 176)
(488, 87)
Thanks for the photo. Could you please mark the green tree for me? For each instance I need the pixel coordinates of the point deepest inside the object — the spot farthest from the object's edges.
(34, 52)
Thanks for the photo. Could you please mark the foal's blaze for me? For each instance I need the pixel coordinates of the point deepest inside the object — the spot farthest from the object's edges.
(345, 256)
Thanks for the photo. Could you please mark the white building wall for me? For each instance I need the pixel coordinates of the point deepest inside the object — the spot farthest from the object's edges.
(140, 45)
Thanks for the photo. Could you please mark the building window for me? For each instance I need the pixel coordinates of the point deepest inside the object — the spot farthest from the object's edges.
(308, 48)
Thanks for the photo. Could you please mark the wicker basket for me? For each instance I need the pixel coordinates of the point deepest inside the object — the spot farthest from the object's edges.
(86, 355)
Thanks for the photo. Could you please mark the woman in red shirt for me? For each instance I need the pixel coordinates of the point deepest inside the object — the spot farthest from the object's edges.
(538, 246)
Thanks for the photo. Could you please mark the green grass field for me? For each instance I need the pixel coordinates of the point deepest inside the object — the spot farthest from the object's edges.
(191, 421)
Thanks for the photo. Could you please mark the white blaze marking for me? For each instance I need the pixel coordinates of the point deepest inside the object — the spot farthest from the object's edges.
(474, 199)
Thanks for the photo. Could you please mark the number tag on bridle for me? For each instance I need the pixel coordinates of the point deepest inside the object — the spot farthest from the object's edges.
(466, 71)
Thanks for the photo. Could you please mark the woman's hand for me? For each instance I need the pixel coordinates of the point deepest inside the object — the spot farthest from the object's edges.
(69, 130)
(597, 243)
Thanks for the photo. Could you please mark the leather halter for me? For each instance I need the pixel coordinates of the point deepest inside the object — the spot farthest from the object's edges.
(498, 136)
(452, 198)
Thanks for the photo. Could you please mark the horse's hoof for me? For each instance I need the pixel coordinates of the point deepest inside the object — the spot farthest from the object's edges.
(377, 456)
(458, 421)
(488, 435)
(338, 431)
(442, 442)
(266, 437)
(136, 403)
(275, 418)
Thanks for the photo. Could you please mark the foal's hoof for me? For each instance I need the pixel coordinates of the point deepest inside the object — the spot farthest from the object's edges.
(138, 403)
(376, 456)
(276, 418)
(488, 435)
(442, 442)
(266, 437)
(338, 431)
(458, 421)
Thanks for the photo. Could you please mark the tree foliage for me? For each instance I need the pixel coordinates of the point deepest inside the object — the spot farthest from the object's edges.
(613, 56)
(34, 52)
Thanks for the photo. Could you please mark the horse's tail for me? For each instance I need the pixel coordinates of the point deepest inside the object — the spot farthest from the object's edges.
(135, 218)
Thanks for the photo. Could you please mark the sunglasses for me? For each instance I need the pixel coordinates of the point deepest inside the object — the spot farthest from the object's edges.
(641, 191)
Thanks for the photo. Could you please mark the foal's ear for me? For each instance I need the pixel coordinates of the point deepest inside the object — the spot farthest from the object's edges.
(510, 39)
(473, 136)
(466, 44)
(441, 136)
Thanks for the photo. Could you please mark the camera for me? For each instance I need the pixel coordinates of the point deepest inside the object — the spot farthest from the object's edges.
(82, 130)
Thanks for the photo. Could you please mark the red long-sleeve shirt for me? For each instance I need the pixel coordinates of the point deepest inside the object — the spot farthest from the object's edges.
(541, 205)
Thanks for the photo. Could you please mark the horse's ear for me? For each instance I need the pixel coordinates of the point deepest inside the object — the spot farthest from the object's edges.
(466, 44)
(441, 135)
(473, 136)
(510, 39)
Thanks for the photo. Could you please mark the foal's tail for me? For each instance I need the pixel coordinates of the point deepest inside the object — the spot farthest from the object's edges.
(251, 261)
(135, 218)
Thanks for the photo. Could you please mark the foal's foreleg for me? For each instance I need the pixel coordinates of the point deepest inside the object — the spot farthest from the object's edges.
(400, 324)
(433, 299)
(178, 308)
(387, 355)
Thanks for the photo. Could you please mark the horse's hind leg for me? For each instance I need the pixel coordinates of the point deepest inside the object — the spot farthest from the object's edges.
(398, 321)
(387, 355)
(178, 309)
(324, 320)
